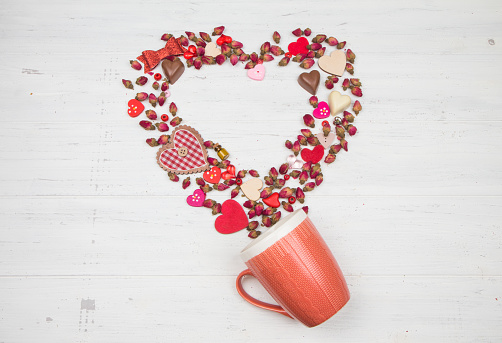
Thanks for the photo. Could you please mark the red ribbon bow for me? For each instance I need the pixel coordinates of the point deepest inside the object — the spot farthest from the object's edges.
(151, 59)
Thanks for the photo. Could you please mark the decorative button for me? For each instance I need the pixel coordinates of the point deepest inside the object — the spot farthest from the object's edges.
(182, 151)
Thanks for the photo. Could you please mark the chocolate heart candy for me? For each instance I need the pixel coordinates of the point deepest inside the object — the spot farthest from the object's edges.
(310, 81)
(173, 70)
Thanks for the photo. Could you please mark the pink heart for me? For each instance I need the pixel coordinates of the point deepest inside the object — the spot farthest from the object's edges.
(325, 140)
(294, 163)
(257, 73)
(197, 198)
(322, 110)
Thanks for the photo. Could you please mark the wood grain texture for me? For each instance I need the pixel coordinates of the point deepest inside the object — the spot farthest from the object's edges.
(97, 245)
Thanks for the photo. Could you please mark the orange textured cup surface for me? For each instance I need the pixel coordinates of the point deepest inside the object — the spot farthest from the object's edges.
(300, 273)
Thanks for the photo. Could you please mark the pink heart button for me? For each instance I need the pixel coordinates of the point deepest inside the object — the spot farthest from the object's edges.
(257, 73)
(322, 110)
(197, 198)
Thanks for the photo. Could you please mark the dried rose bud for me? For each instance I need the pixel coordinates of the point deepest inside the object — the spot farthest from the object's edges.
(300, 196)
(352, 130)
(164, 87)
(279, 183)
(183, 40)
(226, 163)
(212, 161)
(200, 51)
(191, 36)
(152, 99)
(288, 144)
(295, 174)
(268, 58)
(206, 188)
(135, 65)
(309, 120)
(234, 59)
(222, 187)
(283, 169)
(296, 148)
(325, 124)
(226, 50)
(326, 130)
(319, 179)
(162, 127)
(330, 158)
(253, 225)
(205, 36)
(306, 132)
(299, 57)
(147, 125)
(175, 121)
(302, 140)
(307, 166)
(269, 211)
(313, 141)
(173, 109)
(341, 45)
(235, 45)
(283, 62)
(350, 56)
(209, 144)
(254, 234)
(186, 183)
(357, 107)
(307, 32)
(216, 209)
(304, 176)
(265, 193)
(200, 182)
(218, 30)
(356, 82)
(209, 60)
(163, 139)
(208, 203)
(276, 37)
(127, 84)
(357, 91)
(243, 57)
(162, 99)
(152, 142)
(349, 116)
(200, 43)
(265, 47)
(298, 32)
(286, 192)
(329, 84)
(345, 84)
(254, 173)
(319, 38)
(311, 54)
(316, 167)
(173, 177)
(314, 46)
(344, 144)
(259, 209)
(314, 101)
(190, 62)
(166, 36)
(230, 182)
(155, 85)
(349, 68)
(307, 64)
(141, 96)
(266, 221)
(320, 53)
(268, 180)
(273, 173)
(287, 206)
(249, 65)
(332, 41)
(238, 52)
(220, 59)
(340, 131)
(197, 63)
(151, 114)
(275, 217)
(241, 174)
(254, 57)
(309, 187)
(334, 149)
(235, 192)
(276, 50)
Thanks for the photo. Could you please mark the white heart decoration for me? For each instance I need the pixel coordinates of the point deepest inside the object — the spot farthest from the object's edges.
(294, 163)
(338, 103)
(212, 49)
(251, 189)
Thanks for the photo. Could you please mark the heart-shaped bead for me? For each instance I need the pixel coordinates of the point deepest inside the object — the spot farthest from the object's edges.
(232, 218)
(322, 110)
(229, 173)
(272, 200)
(251, 189)
(294, 163)
(213, 175)
(197, 198)
(314, 155)
(257, 73)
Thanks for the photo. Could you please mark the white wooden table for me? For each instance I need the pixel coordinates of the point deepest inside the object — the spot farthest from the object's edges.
(97, 245)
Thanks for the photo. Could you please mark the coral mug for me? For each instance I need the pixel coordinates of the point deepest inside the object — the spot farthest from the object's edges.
(296, 267)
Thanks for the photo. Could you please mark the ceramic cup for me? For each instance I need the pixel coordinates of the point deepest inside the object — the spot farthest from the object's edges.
(294, 265)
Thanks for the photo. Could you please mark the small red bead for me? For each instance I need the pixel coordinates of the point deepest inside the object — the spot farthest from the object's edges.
(325, 123)
(157, 76)
(238, 181)
(292, 200)
(286, 177)
(164, 117)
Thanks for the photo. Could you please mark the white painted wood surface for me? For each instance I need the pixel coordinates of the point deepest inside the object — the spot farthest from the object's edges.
(97, 245)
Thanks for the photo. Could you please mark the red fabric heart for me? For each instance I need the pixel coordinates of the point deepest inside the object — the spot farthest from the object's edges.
(213, 175)
(272, 200)
(314, 155)
(299, 47)
(232, 219)
(229, 174)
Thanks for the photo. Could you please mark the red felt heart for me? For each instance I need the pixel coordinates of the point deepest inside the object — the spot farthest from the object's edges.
(229, 174)
(272, 200)
(213, 175)
(135, 108)
(232, 219)
(314, 155)
(299, 47)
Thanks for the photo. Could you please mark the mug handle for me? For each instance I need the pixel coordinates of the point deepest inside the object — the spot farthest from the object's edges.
(256, 302)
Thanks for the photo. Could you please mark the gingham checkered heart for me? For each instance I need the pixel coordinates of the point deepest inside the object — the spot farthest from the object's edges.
(194, 159)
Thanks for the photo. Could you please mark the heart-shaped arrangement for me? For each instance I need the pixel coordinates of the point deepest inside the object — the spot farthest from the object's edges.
(185, 152)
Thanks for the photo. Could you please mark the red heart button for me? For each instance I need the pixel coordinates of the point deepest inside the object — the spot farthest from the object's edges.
(272, 200)
(229, 174)
(314, 155)
(213, 175)
(232, 219)
(299, 47)
(135, 108)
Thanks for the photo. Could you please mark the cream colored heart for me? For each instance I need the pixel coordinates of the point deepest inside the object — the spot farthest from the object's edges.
(334, 63)
(251, 189)
(337, 102)
(212, 49)
(325, 140)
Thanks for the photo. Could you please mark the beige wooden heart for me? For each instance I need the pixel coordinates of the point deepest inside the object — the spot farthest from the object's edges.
(337, 102)
(251, 189)
(334, 63)
(212, 49)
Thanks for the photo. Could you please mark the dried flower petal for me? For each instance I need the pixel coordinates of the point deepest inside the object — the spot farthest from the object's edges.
(173, 109)
(254, 234)
(357, 107)
(152, 142)
(341, 45)
(334, 149)
(200, 51)
(218, 30)
(311, 54)
(357, 91)
(141, 96)
(306, 132)
(320, 53)
(236, 45)
(307, 166)
(309, 120)
(183, 40)
(206, 188)
(151, 114)
(344, 144)
(299, 57)
(251, 214)
(166, 36)
(276, 37)
(298, 32)
(268, 180)
(329, 84)
(269, 211)
(273, 173)
(330, 158)
(254, 173)
(314, 101)
(197, 63)
(155, 85)
(349, 116)
(243, 57)
(350, 56)
(222, 187)
(267, 58)
(319, 179)
(352, 130)
(127, 84)
(135, 65)
(163, 139)
(226, 50)
(279, 183)
(356, 82)
(191, 36)
(147, 125)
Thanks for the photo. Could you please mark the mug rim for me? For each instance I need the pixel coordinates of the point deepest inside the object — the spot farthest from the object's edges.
(272, 235)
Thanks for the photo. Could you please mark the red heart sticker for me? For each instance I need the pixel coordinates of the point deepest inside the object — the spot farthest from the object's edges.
(232, 219)
(299, 47)
(314, 155)
(272, 200)
(135, 108)
(213, 175)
